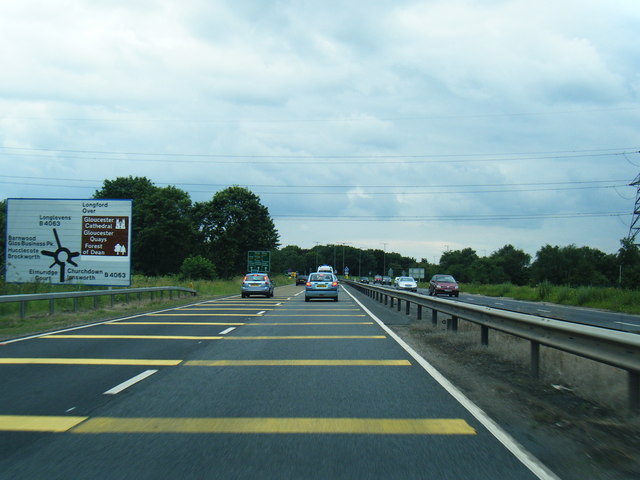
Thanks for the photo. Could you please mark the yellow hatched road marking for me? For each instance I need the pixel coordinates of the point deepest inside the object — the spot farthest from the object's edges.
(180, 337)
(176, 323)
(88, 361)
(32, 423)
(216, 305)
(297, 363)
(224, 308)
(354, 426)
(307, 323)
(204, 315)
(361, 426)
(310, 337)
(131, 337)
(348, 315)
(116, 322)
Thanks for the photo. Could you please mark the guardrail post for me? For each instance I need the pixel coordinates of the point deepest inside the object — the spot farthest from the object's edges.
(75, 304)
(634, 392)
(452, 324)
(112, 298)
(391, 299)
(408, 309)
(95, 302)
(419, 313)
(399, 304)
(434, 317)
(51, 307)
(23, 309)
(386, 299)
(484, 335)
(535, 359)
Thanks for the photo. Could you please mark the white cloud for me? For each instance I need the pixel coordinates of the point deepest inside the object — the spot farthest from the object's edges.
(369, 94)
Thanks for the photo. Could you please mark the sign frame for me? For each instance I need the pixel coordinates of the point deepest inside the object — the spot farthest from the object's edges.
(68, 241)
(258, 261)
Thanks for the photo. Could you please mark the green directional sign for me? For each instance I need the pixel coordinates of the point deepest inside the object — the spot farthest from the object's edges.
(258, 261)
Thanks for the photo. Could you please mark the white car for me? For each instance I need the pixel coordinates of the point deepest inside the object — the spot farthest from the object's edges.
(406, 283)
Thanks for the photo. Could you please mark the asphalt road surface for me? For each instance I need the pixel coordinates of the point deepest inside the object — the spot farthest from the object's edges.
(585, 316)
(241, 388)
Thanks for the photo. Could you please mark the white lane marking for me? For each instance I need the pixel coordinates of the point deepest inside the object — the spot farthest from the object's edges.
(261, 313)
(543, 311)
(299, 293)
(528, 460)
(132, 381)
(278, 304)
(498, 303)
(628, 324)
(224, 332)
(69, 409)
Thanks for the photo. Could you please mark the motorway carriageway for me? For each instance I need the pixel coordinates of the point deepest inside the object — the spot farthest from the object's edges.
(242, 388)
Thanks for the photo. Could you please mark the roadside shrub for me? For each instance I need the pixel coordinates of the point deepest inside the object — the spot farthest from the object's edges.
(197, 268)
(563, 294)
(544, 290)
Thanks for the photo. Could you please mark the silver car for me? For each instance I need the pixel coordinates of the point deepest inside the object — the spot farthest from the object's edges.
(406, 283)
(321, 285)
(256, 284)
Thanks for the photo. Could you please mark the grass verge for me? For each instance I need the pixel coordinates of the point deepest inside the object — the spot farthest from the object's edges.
(38, 318)
(612, 299)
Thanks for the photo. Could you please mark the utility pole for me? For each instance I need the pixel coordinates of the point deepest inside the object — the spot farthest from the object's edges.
(316, 267)
(635, 222)
(384, 259)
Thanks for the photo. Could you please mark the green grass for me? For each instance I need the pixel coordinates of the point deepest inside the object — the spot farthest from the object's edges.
(38, 318)
(612, 299)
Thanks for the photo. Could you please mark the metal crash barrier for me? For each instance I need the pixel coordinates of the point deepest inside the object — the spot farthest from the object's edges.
(127, 292)
(618, 349)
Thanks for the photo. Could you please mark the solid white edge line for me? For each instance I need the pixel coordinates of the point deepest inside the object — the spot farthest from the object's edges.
(228, 330)
(132, 381)
(511, 444)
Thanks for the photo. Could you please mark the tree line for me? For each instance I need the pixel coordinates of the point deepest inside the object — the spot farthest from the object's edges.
(173, 235)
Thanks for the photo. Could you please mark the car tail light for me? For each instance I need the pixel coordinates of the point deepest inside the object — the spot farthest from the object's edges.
(264, 278)
(334, 284)
(308, 284)
(244, 279)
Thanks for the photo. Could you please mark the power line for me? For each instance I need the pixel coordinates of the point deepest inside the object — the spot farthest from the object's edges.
(394, 218)
(155, 157)
(397, 189)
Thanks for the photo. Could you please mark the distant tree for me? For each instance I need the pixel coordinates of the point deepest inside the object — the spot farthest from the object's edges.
(628, 263)
(514, 263)
(231, 224)
(290, 257)
(459, 263)
(572, 265)
(168, 236)
(488, 271)
(162, 233)
(197, 268)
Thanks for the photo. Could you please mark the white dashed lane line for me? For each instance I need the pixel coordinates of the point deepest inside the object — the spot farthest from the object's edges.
(132, 381)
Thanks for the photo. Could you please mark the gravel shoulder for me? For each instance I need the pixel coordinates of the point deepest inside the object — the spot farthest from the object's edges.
(573, 437)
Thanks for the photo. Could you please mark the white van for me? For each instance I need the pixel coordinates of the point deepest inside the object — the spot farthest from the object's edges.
(325, 268)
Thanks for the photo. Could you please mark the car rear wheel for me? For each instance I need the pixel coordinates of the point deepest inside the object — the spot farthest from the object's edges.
(306, 299)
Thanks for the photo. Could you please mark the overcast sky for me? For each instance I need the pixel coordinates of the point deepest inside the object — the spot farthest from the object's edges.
(409, 126)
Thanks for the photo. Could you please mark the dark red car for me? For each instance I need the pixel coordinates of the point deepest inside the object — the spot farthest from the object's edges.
(444, 284)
